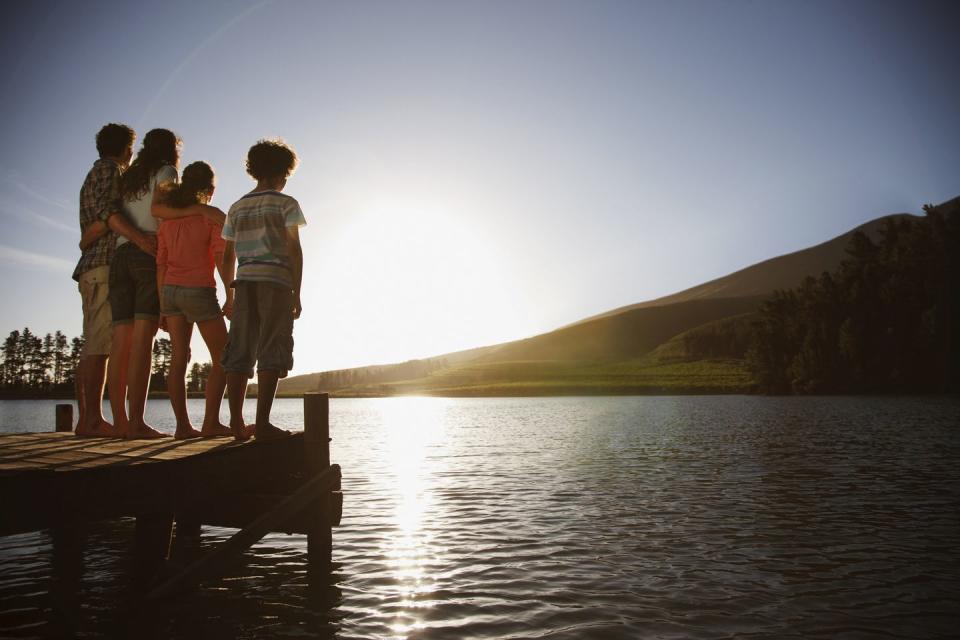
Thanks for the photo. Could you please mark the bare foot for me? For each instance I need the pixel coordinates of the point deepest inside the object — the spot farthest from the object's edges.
(215, 431)
(142, 431)
(186, 433)
(102, 429)
(269, 432)
(241, 432)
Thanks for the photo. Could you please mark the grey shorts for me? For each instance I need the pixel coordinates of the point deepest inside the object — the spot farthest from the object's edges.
(261, 330)
(196, 304)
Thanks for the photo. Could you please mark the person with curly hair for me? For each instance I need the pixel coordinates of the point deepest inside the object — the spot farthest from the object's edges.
(262, 234)
(134, 300)
(189, 249)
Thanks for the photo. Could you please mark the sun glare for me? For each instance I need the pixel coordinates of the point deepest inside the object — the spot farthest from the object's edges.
(414, 427)
(403, 280)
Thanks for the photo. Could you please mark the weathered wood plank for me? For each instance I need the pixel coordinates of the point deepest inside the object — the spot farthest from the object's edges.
(63, 452)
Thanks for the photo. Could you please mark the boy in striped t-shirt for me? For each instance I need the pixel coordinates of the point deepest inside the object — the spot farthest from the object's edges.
(262, 234)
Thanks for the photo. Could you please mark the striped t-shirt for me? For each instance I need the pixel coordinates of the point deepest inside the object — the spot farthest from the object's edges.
(257, 224)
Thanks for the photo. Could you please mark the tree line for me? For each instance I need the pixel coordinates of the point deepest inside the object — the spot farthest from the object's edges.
(888, 321)
(34, 365)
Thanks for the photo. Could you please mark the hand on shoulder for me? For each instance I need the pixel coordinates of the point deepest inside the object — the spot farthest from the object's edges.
(214, 215)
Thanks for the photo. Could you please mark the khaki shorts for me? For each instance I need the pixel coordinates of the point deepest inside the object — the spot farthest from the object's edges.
(97, 320)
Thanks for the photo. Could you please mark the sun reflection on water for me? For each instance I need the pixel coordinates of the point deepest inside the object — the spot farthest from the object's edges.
(415, 429)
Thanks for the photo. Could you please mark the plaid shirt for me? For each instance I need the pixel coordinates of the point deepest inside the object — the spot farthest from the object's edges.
(99, 198)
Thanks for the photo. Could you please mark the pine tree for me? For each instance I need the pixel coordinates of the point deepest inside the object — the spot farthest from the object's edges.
(46, 361)
(162, 352)
(31, 351)
(12, 361)
(76, 348)
(60, 358)
(194, 378)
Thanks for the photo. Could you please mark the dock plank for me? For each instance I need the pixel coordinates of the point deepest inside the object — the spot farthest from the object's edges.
(62, 452)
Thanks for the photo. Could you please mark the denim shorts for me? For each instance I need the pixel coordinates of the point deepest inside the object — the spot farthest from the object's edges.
(261, 330)
(133, 285)
(195, 304)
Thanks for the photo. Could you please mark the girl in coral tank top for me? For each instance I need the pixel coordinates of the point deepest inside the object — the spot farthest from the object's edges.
(189, 249)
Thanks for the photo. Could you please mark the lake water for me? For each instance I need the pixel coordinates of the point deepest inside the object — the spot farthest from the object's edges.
(626, 517)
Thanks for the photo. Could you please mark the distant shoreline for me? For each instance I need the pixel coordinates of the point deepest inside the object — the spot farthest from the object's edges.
(518, 393)
(60, 395)
(460, 394)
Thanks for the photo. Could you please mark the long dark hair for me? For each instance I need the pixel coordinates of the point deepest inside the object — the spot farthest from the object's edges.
(197, 182)
(160, 148)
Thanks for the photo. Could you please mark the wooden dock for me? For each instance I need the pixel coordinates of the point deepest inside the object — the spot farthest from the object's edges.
(59, 481)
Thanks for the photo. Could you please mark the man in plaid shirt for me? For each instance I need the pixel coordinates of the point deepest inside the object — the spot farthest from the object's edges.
(100, 209)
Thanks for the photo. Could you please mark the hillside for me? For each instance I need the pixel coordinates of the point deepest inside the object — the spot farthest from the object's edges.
(622, 336)
(692, 341)
(783, 272)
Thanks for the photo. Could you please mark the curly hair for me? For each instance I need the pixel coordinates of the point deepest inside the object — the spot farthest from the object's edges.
(194, 186)
(113, 139)
(160, 148)
(271, 159)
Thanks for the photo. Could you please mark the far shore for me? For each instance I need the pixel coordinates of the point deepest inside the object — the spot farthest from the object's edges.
(519, 392)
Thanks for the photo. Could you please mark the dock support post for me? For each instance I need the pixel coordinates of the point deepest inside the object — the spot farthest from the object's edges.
(316, 431)
(69, 539)
(152, 545)
(188, 527)
(64, 417)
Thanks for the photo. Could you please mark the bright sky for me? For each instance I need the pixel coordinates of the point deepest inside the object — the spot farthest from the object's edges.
(478, 172)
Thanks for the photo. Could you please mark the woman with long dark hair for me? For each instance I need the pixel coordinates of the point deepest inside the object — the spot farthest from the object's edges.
(188, 250)
(133, 286)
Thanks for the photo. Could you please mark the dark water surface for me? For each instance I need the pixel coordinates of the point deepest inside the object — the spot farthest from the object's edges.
(669, 517)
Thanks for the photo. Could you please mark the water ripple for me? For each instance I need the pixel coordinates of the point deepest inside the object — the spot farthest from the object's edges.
(577, 518)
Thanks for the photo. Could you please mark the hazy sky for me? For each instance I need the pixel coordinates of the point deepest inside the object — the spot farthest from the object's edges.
(478, 172)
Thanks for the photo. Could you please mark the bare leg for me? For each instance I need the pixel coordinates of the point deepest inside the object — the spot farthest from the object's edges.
(180, 333)
(117, 375)
(78, 393)
(214, 334)
(141, 352)
(266, 390)
(236, 392)
(93, 370)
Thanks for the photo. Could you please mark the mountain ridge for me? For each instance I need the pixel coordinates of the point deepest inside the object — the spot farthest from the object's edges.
(618, 351)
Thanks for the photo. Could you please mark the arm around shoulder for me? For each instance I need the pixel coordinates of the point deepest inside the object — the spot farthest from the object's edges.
(92, 233)
(166, 212)
(120, 225)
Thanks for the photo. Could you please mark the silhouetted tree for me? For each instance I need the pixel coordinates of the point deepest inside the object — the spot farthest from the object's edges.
(886, 321)
(197, 378)
(162, 352)
(60, 358)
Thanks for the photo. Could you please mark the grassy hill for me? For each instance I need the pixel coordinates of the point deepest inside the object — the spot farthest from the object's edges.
(693, 341)
(783, 272)
(609, 355)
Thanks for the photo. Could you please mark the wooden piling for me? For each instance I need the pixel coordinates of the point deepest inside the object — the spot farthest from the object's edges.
(316, 432)
(64, 418)
(152, 545)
